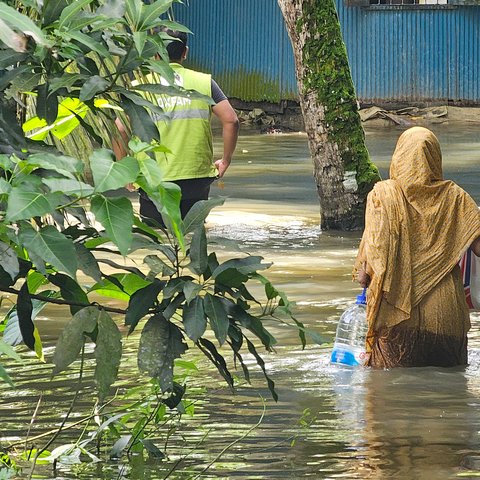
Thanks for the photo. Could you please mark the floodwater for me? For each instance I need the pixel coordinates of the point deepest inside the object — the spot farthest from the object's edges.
(330, 422)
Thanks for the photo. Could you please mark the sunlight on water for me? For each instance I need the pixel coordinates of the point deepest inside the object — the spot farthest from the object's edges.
(419, 424)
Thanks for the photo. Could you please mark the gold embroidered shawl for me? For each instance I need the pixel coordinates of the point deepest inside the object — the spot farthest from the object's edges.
(417, 227)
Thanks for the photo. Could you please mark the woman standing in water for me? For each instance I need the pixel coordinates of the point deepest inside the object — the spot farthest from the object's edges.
(417, 226)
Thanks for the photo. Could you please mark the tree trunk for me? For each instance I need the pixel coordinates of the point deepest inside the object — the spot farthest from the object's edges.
(343, 171)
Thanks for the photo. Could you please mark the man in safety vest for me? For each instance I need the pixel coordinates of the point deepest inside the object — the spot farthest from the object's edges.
(188, 135)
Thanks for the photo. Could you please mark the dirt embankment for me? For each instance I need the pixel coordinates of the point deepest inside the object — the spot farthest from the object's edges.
(287, 116)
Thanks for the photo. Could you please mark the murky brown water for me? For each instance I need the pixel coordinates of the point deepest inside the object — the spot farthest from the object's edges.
(404, 423)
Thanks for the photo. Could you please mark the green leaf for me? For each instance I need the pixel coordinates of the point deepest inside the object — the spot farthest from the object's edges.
(141, 302)
(109, 174)
(134, 12)
(194, 319)
(108, 353)
(87, 262)
(116, 216)
(92, 86)
(9, 260)
(120, 286)
(22, 23)
(66, 166)
(68, 186)
(70, 291)
(191, 290)
(197, 215)
(158, 266)
(89, 42)
(198, 251)
(142, 124)
(139, 39)
(50, 245)
(161, 343)
(24, 204)
(72, 337)
(151, 172)
(52, 10)
(209, 349)
(69, 13)
(218, 317)
(47, 103)
(261, 363)
(7, 350)
(140, 101)
(24, 312)
(5, 377)
(152, 12)
(9, 58)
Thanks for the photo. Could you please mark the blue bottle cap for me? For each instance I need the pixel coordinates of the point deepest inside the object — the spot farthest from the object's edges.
(362, 298)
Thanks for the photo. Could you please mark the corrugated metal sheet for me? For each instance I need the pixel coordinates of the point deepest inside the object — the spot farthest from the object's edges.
(395, 54)
(245, 46)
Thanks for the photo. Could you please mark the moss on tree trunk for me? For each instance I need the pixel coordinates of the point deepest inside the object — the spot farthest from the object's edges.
(342, 168)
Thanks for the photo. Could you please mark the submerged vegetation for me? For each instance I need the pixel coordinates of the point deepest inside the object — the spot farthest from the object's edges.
(66, 71)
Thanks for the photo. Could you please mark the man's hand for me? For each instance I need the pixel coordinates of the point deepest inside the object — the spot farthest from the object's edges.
(221, 165)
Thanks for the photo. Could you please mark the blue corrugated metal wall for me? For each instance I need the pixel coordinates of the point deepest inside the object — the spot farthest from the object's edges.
(396, 55)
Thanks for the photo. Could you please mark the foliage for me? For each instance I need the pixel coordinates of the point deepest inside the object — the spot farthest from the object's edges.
(59, 220)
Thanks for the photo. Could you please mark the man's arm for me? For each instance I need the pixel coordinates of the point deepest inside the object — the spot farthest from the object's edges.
(230, 125)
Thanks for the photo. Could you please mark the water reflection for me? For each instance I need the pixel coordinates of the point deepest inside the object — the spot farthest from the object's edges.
(412, 424)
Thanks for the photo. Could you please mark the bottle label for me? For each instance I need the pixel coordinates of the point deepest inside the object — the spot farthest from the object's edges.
(348, 355)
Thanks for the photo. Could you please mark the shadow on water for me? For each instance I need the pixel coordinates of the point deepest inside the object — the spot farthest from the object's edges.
(330, 422)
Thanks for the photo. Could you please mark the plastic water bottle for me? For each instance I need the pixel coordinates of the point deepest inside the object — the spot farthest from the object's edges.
(349, 345)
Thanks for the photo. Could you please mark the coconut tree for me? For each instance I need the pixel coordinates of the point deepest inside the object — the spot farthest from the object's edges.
(343, 171)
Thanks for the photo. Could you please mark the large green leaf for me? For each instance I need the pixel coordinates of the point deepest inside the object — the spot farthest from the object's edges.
(71, 291)
(9, 58)
(52, 10)
(24, 204)
(68, 186)
(5, 377)
(194, 319)
(151, 172)
(218, 317)
(161, 343)
(134, 12)
(72, 337)
(152, 12)
(22, 23)
(141, 101)
(198, 213)
(142, 124)
(141, 302)
(109, 174)
(108, 352)
(261, 364)
(89, 42)
(116, 216)
(87, 262)
(24, 312)
(69, 13)
(198, 251)
(52, 246)
(9, 260)
(92, 86)
(67, 166)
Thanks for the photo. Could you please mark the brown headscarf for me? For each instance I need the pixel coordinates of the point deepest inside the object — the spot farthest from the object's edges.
(417, 227)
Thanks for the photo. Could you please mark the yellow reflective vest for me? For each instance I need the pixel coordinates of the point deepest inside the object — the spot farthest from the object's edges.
(187, 131)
